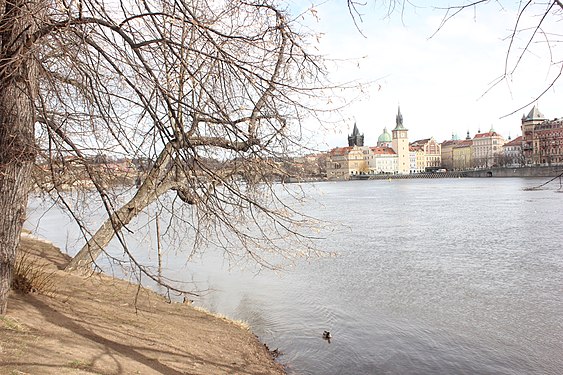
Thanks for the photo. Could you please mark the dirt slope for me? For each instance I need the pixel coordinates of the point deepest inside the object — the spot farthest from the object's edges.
(92, 325)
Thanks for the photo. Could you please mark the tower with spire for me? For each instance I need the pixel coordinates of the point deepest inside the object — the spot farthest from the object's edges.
(355, 139)
(529, 123)
(400, 144)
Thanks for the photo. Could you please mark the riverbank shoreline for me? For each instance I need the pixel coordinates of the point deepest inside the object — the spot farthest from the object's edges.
(520, 172)
(83, 324)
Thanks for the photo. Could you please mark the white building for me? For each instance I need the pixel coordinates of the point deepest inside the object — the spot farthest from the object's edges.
(513, 153)
(382, 160)
(486, 147)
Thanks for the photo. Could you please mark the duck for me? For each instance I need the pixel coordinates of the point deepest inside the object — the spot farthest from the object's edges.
(327, 335)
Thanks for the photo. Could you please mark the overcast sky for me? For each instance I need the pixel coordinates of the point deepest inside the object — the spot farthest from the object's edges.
(439, 81)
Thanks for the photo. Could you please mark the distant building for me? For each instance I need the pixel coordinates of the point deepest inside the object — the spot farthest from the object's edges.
(446, 151)
(542, 139)
(431, 151)
(461, 154)
(529, 122)
(343, 162)
(385, 139)
(548, 143)
(337, 166)
(382, 160)
(513, 155)
(357, 160)
(391, 155)
(417, 159)
(486, 148)
(355, 139)
(400, 144)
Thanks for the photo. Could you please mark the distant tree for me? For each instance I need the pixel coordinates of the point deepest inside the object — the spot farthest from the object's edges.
(321, 161)
(169, 84)
(363, 168)
(520, 158)
(503, 160)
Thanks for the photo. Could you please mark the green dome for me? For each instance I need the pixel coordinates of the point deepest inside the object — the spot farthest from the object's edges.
(384, 137)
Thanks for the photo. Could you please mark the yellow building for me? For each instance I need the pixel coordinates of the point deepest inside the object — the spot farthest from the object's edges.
(431, 152)
(417, 159)
(461, 155)
(358, 160)
(446, 150)
(337, 164)
(343, 162)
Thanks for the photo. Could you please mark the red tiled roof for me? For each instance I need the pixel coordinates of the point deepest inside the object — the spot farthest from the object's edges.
(382, 150)
(487, 134)
(514, 142)
(341, 150)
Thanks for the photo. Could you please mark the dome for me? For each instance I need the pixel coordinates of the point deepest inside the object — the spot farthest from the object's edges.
(384, 137)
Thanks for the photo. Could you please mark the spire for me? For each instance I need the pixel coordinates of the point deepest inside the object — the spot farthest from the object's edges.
(399, 120)
(534, 114)
(355, 131)
(355, 139)
(468, 136)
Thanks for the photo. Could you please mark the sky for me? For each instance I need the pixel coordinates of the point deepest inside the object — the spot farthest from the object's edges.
(442, 78)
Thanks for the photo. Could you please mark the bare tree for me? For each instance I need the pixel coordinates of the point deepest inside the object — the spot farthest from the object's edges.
(172, 82)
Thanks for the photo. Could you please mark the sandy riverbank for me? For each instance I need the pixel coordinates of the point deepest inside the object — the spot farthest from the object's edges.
(101, 325)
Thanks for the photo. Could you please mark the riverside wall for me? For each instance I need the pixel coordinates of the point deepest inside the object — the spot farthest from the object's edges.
(408, 176)
(547, 171)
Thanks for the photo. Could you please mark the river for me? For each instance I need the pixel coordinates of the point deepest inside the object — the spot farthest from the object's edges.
(440, 276)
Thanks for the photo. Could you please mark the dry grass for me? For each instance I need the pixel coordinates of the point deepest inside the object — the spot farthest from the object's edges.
(12, 324)
(239, 323)
(31, 275)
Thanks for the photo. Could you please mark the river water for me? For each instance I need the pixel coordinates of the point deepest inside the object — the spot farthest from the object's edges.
(440, 276)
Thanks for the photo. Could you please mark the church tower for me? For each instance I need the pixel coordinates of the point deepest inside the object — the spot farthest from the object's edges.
(355, 139)
(400, 144)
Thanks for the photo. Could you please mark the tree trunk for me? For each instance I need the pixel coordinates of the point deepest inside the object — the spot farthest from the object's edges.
(155, 184)
(14, 183)
(86, 257)
(18, 87)
(16, 159)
